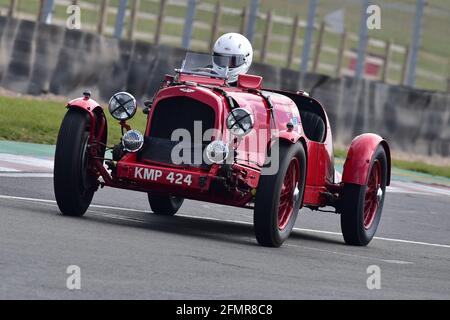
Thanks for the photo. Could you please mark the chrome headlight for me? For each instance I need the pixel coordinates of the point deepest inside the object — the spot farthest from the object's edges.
(240, 122)
(217, 151)
(132, 141)
(122, 106)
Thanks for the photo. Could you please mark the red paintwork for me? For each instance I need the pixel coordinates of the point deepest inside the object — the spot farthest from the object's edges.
(202, 94)
(128, 178)
(318, 175)
(291, 136)
(357, 164)
(245, 173)
(91, 106)
(247, 81)
(85, 103)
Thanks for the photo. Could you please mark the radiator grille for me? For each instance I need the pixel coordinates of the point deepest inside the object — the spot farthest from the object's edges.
(172, 114)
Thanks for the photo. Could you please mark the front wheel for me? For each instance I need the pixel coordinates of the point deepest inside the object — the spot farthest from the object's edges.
(165, 205)
(74, 183)
(279, 197)
(361, 206)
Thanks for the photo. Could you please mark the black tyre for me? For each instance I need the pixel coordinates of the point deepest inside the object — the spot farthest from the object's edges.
(279, 197)
(165, 205)
(73, 181)
(361, 206)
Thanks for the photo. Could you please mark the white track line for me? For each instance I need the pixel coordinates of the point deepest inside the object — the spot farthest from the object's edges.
(14, 166)
(4, 169)
(235, 221)
(398, 187)
(131, 219)
(26, 160)
(124, 218)
(25, 175)
(404, 188)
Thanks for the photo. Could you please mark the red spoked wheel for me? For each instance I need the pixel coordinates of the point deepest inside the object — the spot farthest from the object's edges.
(280, 196)
(289, 193)
(373, 195)
(361, 205)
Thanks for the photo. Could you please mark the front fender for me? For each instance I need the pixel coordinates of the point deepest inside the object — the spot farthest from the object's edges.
(359, 157)
(97, 119)
(87, 104)
(290, 136)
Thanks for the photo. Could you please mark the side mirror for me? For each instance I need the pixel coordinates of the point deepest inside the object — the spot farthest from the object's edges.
(247, 81)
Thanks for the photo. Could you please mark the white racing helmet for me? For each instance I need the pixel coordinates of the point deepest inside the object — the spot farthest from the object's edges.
(234, 51)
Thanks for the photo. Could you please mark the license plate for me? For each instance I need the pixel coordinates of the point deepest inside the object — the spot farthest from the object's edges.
(167, 177)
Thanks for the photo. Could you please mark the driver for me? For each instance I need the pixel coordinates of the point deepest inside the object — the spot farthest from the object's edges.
(234, 51)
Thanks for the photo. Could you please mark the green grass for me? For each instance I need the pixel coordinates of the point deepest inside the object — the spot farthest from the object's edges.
(38, 121)
(421, 167)
(340, 153)
(417, 166)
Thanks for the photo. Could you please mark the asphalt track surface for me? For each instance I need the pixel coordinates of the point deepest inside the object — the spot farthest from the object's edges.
(209, 251)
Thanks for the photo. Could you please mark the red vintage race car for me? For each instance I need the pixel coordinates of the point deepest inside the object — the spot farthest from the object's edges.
(238, 145)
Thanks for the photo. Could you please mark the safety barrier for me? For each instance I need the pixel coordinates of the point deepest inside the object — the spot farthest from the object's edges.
(40, 58)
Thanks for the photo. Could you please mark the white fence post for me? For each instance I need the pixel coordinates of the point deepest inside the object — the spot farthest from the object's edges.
(363, 40)
(253, 15)
(189, 24)
(47, 14)
(120, 19)
(415, 44)
(308, 36)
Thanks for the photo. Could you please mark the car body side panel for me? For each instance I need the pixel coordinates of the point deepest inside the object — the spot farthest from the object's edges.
(252, 147)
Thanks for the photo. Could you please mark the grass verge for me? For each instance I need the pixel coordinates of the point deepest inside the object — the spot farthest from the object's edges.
(417, 166)
(443, 171)
(38, 121)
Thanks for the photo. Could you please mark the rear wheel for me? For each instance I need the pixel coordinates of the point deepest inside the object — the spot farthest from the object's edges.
(279, 197)
(165, 205)
(74, 182)
(361, 206)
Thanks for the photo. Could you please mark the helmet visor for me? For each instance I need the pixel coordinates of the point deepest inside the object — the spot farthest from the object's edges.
(228, 60)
